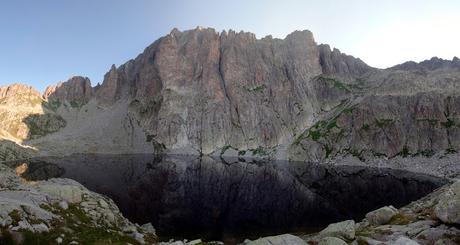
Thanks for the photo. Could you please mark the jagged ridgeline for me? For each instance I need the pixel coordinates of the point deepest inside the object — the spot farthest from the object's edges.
(228, 93)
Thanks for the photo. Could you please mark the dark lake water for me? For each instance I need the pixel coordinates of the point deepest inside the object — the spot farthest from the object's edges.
(233, 199)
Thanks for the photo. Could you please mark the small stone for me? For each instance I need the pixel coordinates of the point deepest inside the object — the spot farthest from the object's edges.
(24, 225)
(278, 240)
(59, 240)
(103, 204)
(110, 218)
(381, 216)
(331, 241)
(129, 229)
(27, 209)
(138, 237)
(148, 228)
(5, 222)
(73, 242)
(64, 205)
(344, 229)
(194, 242)
(40, 228)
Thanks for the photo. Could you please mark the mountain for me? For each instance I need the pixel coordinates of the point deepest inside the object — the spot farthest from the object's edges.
(229, 93)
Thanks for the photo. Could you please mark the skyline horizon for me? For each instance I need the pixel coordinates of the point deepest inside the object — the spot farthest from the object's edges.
(51, 41)
(96, 83)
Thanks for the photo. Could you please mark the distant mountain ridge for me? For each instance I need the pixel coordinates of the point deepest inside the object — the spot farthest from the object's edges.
(204, 92)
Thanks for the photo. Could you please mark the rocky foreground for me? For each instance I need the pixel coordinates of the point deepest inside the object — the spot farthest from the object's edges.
(434, 219)
(61, 211)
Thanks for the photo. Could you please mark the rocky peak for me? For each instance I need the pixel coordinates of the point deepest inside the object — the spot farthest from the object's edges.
(108, 91)
(18, 89)
(428, 65)
(75, 89)
(333, 62)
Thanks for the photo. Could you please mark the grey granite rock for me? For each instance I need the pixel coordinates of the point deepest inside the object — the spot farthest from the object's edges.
(381, 216)
(448, 207)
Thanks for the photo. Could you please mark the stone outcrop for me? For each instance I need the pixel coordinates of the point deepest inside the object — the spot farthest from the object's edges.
(334, 63)
(61, 210)
(403, 113)
(17, 88)
(24, 114)
(344, 230)
(381, 216)
(278, 240)
(429, 65)
(208, 91)
(76, 90)
(448, 207)
(422, 222)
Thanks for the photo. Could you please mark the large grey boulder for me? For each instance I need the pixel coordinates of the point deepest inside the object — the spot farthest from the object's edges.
(278, 240)
(448, 207)
(65, 189)
(344, 229)
(381, 216)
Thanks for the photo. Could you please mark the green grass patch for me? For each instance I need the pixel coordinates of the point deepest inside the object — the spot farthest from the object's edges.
(224, 149)
(432, 122)
(405, 152)
(83, 231)
(365, 127)
(15, 216)
(400, 219)
(448, 124)
(40, 125)
(328, 150)
(53, 104)
(259, 151)
(384, 122)
(314, 134)
(358, 84)
(335, 83)
(258, 88)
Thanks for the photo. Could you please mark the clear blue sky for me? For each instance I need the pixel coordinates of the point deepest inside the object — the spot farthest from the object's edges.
(43, 42)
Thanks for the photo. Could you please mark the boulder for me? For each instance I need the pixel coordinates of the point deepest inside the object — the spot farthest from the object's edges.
(344, 229)
(148, 228)
(278, 240)
(448, 207)
(381, 216)
(68, 193)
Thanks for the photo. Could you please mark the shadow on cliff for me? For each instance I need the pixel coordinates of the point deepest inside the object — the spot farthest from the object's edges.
(36, 126)
(43, 124)
(10, 150)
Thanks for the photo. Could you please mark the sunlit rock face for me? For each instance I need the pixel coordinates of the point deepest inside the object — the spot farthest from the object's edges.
(24, 114)
(233, 199)
(205, 91)
(76, 89)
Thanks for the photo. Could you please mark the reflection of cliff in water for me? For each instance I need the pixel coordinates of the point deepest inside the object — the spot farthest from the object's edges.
(204, 197)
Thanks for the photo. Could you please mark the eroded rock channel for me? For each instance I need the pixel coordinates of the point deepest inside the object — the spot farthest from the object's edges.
(231, 199)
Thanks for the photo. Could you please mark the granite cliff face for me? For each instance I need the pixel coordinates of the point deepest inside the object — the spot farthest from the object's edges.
(204, 92)
(77, 90)
(207, 92)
